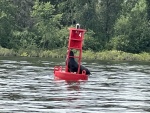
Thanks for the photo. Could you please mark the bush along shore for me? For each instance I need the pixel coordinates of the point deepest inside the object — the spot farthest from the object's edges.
(113, 55)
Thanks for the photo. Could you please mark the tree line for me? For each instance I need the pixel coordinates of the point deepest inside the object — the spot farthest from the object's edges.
(122, 25)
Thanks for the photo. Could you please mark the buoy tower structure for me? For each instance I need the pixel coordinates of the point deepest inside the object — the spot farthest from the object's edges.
(76, 37)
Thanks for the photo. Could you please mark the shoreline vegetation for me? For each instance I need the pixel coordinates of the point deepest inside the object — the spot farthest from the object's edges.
(39, 27)
(112, 55)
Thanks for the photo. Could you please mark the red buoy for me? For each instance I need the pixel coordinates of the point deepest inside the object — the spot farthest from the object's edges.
(76, 38)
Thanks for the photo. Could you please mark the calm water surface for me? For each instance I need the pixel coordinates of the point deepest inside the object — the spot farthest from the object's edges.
(28, 85)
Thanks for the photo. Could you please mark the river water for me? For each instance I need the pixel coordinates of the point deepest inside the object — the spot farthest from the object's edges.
(28, 85)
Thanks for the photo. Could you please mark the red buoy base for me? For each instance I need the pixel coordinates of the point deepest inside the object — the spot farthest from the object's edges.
(68, 76)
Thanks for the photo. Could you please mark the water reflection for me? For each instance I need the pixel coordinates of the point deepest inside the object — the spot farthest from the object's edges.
(73, 86)
(28, 85)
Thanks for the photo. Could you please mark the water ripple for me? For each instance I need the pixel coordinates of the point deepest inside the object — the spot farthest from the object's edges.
(29, 86)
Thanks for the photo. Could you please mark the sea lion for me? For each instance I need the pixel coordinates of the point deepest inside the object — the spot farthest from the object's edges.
(73, 65)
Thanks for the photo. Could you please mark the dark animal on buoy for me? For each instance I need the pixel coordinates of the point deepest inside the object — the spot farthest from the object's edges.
(73, 65)
(84, 68)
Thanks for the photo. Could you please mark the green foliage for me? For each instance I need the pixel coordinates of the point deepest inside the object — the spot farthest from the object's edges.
(7, 22)
(47, 25)
(88, 54)
(22, 13)
(131, 30)
(89, 42)
(6, 52)
(148, 9)
(24, 39)
(56, 53)
(61, 53)
(32, 26)
(116, 55)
